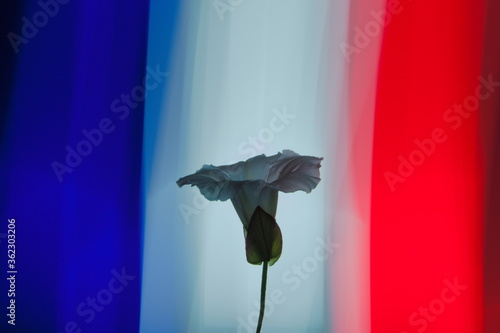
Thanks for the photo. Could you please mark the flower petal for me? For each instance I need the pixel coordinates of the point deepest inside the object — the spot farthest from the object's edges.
(212, 182)
(257, 181)
(251, 194)
(292, 172)
(255, 168)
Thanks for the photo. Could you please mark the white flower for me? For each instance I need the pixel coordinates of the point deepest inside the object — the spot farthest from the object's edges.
(256, 182)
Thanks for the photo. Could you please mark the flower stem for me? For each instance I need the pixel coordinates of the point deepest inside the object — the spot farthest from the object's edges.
(262, 295)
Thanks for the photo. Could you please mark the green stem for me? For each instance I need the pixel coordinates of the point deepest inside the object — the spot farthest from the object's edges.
(262, 295)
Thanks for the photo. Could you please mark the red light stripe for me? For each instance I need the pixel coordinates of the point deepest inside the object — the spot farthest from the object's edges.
(426, 232)
(490, 128)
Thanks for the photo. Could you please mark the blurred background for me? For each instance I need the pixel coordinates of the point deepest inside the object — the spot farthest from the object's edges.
(105, 105)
